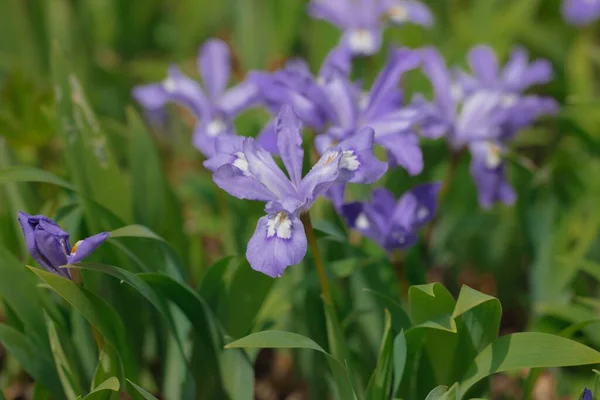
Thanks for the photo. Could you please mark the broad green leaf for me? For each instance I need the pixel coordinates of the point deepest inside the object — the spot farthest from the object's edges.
(527, 350)
(477, 317)
(379, 384)
(68, 378)
(111, 384)
(437, 393)
(87, 152)
(428, 302)
(247, 293)
(98, 313)
(399, 361)
(142, 391)
(35, 363)
(238, 374)
(30, 174)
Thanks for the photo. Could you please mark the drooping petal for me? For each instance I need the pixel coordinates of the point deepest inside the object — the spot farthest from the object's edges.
(85, 247)
(264, 169)
(338, 61)
(396, 122)
(358, 216)
(176, 88)
(322, 175)
(227, 150)
(278, 242)
(336, 194)
(234, 179)
(480, 118)
(289, 142)
(581, 12)
(399, 62)
(363, 41)
(436, 70)
(405, 150)
(402, 11)
(484, 63)
(239, 98)
(335, 11)
(358, 163)
(489, 173)
(214, 64)
(426, 196)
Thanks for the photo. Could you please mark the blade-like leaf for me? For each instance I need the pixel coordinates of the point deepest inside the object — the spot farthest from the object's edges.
(30, 174)
(111, 384)
(379, 385)
(68, 379)
(142, 391)
(400, 354)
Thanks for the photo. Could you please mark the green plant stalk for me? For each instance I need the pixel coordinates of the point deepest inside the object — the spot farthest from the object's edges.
(78, 280)
(314, 247)
(397, 259)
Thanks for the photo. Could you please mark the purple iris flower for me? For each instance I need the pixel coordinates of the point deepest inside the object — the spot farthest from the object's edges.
(393, 224)
(247, 171)
(214, 106)
(363, 20)
(49, 245)
(483, 112)
(587, 395)
(581, 12)
(381, 109)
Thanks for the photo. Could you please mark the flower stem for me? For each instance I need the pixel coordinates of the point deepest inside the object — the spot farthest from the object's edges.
(397, 259)
(77, 279)
(312, 242)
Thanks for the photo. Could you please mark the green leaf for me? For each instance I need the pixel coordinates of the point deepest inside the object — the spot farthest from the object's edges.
(399, 360)
(428, 302)
(400, 320)
(35, 363)
(111, 384)
(142, 391)
(30, 174)
(87, 153)
(527, 350)
(135, 231)
(379, 384)
(68, 379)
(98, 313)
(437, 393)
(108, 366)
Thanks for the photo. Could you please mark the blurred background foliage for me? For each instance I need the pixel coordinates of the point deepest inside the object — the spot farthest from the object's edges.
(540, 257)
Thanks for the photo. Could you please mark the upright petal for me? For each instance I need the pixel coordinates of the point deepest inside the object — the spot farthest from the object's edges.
(402, 11)
(267, 138)
(322, 175)
(278, 242)
(342, 96)
(405, 150)
(335, 11)
(480, 118)
(289, 142)
(436, 70)
(176, 88)
(484, 63)
(581, 12)
(234, 180)
(518, 74)
(260, 165)
(358, 163)
(215, 67)
(338, 61)
(28, 224)
(208, 130)
(84, 248)
(239, 98)
(399, 62)
(362, 218)
(50, 247)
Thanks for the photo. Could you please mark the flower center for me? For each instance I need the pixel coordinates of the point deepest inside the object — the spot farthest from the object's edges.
(362, 222)
(241, 163)
(215, 127)
(398, 14)
(170, 85)
(349, 161)
(361, 41)
(279, 225)
(75, 247)
(493, 156)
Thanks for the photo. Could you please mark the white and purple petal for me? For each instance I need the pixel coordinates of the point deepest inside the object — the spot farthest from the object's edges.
(405, 11)
(358, 163)
(85, 247)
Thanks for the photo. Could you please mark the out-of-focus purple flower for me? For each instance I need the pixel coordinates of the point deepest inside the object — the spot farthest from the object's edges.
(247, 171)
(49, 245)
(214, 106)
(381, 109)
(362, 21)
(587, 395)
(483, 112)
(581, 12)
(393, 224)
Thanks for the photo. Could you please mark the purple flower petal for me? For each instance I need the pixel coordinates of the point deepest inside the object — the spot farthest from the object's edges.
(260, 164)
(581, 12)
(363, 41)
(289, 142)
(335, 11)
(342, 96)
(214, 64)
(363, 219)
(480, 118)
(437, 72)
(519, 75)
(405, 150)
(227, 150)
(208, 130)
(338, 61)
(84, 248)
(403, 11)
(235, 180)
(483, 62)
(489, 173)
(267, 138)
(239, 98)
(358, 163)
(278, 242)
(322, 175)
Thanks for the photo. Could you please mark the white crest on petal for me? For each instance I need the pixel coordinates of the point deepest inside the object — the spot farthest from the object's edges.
(422, 213)
(362, 41)
(493, 155)
(362, 222)
(241, 162)
(363, 100)
(398, 14)
(509, 99)
(169, 84)
(74, 249)
(279, 225)
(328, 157)
(456, 91)
(349, 161)
(215, 127)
